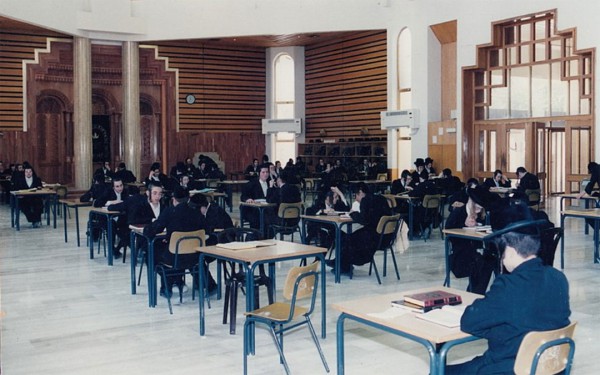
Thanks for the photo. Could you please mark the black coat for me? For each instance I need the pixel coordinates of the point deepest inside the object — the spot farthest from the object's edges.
(288, 193)
(216, 218)
(529, 181)
(253, 190)
(95, 192)
(594, 179)
(398, 187)
(109, 195)
(138, 209)
(180, 218)
(490, 182)
(125, 175)
(21, 183)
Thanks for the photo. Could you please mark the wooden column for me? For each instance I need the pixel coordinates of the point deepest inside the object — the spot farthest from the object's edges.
(132, 135)
(82, 112)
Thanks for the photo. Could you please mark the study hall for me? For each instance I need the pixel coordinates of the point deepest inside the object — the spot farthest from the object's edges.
(412, 107)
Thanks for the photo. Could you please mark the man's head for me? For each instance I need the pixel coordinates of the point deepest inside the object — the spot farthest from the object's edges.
(188, 161)
(521, 171)
(28, 172)
(447, 173)
(20, 168)
(154, 193)
(185, 180)
(122, 167)
(255, 162)
(497, 175)
(264, 172)
(117, 185)
(202, 166)
(106, 165)
(180, 195)
(363, 191)
(200, 201)
(517, 248)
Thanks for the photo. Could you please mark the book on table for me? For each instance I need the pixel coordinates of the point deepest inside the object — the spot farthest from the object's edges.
(434, 298)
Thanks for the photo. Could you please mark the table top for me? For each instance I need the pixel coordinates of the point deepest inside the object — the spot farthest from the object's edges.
(582, 212)
(371, 181)
(279, 249)
(501, 190)
(328, 218)
(233, 182)
(466, 233)
(20, 193)
(576, 196)
(104, 210)
(407, 322)
(75, 202)
(258, 204)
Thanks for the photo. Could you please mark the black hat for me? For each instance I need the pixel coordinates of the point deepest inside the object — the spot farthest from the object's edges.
(428, 160)
(512, 214)
(419, 162)
(483, 197)
(155, 166)
(180, 193)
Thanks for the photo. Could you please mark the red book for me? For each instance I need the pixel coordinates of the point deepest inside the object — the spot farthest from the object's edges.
(433, 298)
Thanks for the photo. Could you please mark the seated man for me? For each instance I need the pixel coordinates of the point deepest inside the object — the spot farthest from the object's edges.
(180, 217)
(104, 171)
(158, 178)
(533, 297)
(359, 247)
(527, 181)
(257, 189)
(335, 201)
(32, 206)
(498, 180)
(111, 197)
(252, 170)
(124, 174)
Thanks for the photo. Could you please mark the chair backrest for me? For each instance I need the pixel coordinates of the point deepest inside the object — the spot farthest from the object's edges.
(533, 195)
(186, 242)
(546, 352)
(61, 191)
(388, 224)
(391, 202)
(382, 176)
(432, 201)
(290, 210)
(301, 282)
(549, 239)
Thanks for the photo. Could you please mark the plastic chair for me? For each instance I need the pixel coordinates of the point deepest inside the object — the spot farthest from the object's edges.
(180, 243)
(236, 279)
(301, 282)
(534, 197)
(546, 352)
(61, 193)
(549, 239)
(288, 217)
(381, 177)
(387, 228)
(310, 188)
(431, 204)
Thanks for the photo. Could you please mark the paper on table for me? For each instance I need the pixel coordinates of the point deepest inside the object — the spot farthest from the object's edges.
(244, 245)
(448, 316)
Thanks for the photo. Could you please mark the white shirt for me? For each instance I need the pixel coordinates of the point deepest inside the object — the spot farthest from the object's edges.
(155, 209)
(264, 186)
(29, 181)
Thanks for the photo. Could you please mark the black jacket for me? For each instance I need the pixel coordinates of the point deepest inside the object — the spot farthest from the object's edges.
(138, 209)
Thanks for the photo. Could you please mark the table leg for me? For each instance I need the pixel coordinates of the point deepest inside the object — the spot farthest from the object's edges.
(562, 242)
(109, 225)
(17, 214)
(77, 225)
(91, 234)
(447, 257)
(338, 251)
(410, 219)
(65, 220)
(151, 275)
(321, 257)
(12, 210)
(201, 296)
(340, 343)
(55, 203)
(595, 240)
(133, 260)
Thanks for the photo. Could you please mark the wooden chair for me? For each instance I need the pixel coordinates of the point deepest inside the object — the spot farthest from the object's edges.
(546, 352)
(381, 177)
(180, 243)
(432, 204)
(301, 282)
(310, 188)
(387, 228)
(288, 218)
(534, 197)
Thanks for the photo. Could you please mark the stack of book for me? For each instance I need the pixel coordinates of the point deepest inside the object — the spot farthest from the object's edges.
(423, 302)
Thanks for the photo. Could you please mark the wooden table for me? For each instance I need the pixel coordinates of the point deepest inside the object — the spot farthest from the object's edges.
(15, 211)
(228, 185)
(337, 222)
(586, 198)
(583, 213)
(437, 339)
(502, 191)
(469, 234)
(73, 203)
(250, 259)
(96, 211)
(412, 201)
(261, 207)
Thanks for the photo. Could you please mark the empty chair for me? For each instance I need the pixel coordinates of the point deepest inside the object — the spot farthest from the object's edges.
(288, 217)
(235, 278)
(181, 243)
(534, 197)
(432, 204)
(546, 352)
(549, 239)
(301, 282)
(387, 228)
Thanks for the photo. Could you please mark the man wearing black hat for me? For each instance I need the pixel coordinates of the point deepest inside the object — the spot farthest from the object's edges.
(157, 177)
(420, 170)
(429, 166)
(180, 217)
(533, 297)
(469, 258)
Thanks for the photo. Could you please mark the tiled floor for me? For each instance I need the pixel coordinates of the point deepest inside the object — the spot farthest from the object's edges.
(67, 314)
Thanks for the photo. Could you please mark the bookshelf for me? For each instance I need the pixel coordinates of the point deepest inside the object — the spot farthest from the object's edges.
(374, 149)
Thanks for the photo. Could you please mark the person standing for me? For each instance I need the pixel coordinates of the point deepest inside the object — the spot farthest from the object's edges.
(594, 170)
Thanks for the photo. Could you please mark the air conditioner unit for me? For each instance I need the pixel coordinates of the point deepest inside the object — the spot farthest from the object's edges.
(290, 125)
(400, 119)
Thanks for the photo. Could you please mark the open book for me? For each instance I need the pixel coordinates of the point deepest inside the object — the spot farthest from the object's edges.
(447, 316)
(244, 245)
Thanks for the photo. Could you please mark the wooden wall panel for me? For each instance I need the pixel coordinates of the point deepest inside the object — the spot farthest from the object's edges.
(229, 84)
(346, 86)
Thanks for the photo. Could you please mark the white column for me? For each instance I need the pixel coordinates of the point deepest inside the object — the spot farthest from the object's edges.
(132, 135)
(82, 112)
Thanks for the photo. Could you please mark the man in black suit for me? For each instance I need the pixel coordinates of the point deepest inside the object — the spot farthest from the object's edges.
(157, 177)
(359, 247)
(252, 170)
(189, 168)
(180, 217)
(498, 180)
(111, 197)
(141, 209)
(281, 191)
(124, 174)
(256, 189)
(104, 171)
(32, 206)
(527, 181)
(594, 170)
(213, 216)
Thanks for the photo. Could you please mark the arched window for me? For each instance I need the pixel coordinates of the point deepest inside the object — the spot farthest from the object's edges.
(284, 102)
(404, 69)
(284, 86)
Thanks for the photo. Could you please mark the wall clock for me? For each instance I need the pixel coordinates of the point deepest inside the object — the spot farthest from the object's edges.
(190, 99)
